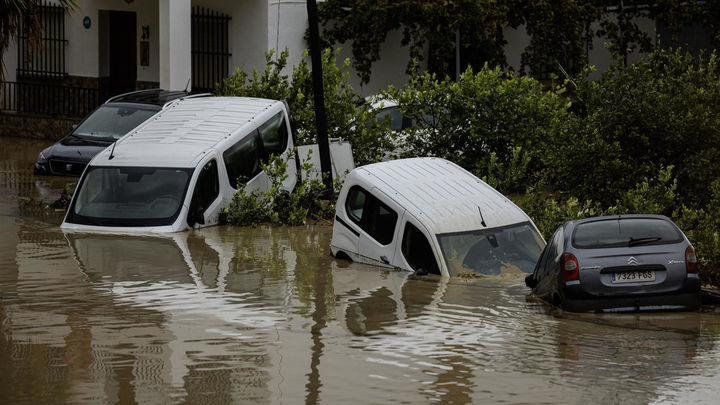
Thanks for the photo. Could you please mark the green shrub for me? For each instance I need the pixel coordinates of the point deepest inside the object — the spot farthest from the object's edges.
(348, 117)
(661, 111)
(486, 122)
(276, 205)
(702, 227)
(656, 195)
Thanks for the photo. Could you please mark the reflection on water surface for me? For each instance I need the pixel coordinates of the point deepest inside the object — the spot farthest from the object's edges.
(265, 315)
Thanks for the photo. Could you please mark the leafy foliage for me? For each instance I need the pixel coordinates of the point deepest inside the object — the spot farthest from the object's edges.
(560, 30)
(276, 205)
(662, 111)
(643, 139)
(423, 23)
(488, 122)
(348, 117)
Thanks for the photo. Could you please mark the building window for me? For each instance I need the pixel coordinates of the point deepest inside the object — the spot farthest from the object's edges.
(47, 57)
(210, 48)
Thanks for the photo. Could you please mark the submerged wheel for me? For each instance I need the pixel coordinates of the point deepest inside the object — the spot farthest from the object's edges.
(342, 255)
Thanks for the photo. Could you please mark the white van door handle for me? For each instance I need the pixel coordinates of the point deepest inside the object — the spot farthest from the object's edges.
(385, 259)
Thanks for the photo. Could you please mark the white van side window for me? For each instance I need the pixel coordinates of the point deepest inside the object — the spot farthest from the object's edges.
(417, 250)
(371, 214)
(274, 135)
(242, 160)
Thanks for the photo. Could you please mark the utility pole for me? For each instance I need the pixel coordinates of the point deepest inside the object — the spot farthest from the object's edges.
(457, 55)
(320, 117)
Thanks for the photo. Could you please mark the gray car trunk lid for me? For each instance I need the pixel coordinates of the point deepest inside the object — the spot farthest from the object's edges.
(597, 267)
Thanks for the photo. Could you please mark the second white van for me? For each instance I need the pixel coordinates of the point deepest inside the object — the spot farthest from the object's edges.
(429, 215)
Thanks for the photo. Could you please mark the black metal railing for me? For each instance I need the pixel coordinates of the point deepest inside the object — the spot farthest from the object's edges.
(49, 99)
(209, 48)
(47, 57)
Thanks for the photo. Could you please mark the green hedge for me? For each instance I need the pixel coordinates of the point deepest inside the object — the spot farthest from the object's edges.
(642, 139)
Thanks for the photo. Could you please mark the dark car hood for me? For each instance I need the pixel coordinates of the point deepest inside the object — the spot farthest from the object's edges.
(77, 149)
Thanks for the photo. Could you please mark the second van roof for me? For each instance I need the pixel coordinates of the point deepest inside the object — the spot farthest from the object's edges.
(446, 197)
(180, 134)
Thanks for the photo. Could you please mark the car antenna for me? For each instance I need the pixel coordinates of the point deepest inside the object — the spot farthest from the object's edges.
(482, 220)
(112, 151)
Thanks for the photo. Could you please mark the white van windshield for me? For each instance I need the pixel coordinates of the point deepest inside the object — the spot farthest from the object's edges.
(492, 251)
(130, 196)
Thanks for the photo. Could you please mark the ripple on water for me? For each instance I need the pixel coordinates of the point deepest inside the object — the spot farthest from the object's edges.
(224, 315)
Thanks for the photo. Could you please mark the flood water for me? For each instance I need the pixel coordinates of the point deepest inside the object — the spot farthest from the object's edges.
(265, 315)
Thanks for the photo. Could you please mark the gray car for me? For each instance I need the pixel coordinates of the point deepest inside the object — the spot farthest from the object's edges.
(618, 263)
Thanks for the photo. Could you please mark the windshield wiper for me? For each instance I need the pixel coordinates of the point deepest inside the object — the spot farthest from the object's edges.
(642, 241)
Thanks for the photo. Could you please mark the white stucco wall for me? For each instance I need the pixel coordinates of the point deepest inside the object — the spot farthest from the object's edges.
(10, 62)
(600, 56)
(517, 41)
(287, 22)
(175, 59)
(82, 50)
(248, 31)
(388, 70)
(256, 27)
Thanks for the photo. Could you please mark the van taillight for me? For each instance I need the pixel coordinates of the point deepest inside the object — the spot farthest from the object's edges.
(569, 267)
(691, 262)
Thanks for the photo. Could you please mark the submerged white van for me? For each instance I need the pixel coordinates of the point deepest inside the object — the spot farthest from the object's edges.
(429, 215)
(180, 168)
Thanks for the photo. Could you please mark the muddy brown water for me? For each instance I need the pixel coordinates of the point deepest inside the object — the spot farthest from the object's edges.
(265, 315)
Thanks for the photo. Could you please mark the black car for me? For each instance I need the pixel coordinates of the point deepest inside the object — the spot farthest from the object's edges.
(108, 123)
(618, 263)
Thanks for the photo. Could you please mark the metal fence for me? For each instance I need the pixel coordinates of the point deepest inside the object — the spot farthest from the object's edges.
(49, 99)
(46, 58)
(210, 48)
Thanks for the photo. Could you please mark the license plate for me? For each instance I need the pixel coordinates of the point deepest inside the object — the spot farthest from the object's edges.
(633, 276)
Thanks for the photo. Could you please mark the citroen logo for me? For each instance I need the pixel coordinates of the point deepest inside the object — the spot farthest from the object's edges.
(632, 261)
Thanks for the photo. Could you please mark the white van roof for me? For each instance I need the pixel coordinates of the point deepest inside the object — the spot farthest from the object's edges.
(181, 134)
(441, 194)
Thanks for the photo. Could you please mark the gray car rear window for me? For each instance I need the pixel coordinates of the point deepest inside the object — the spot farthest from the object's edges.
(624, 232)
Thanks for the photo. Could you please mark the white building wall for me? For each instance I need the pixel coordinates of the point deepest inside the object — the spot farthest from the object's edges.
(10, 62)
(517, 41)
(83, 44)
(256, 27)
(600, 56)
(388, 70)
(287, 23)
(175, 59)
(248, 31)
